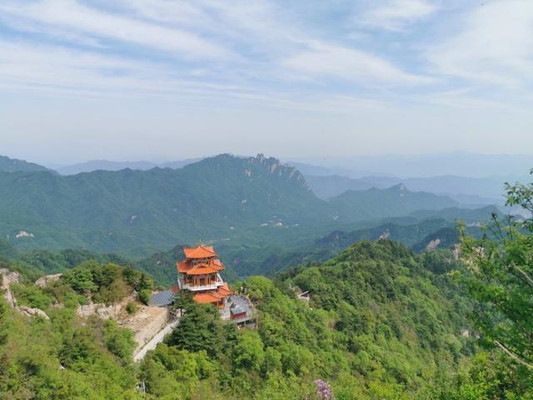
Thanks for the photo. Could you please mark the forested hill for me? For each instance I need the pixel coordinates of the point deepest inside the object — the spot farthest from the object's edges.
(223, 199)
(383, 203)
(13, 165)
(379, 325)
(120, 210)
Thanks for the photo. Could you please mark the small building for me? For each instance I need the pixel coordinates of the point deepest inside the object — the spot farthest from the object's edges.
(306, 296)
(199, 273)
(237, 313)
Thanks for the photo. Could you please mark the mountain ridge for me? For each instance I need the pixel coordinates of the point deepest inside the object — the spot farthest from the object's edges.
(8, 164)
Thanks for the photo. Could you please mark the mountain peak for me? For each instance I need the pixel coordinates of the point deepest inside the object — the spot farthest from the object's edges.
(400, 187)
(13, 165)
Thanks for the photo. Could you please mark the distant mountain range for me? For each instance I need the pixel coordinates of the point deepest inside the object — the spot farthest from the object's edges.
(13, 165)
(104, 165)
(214, 199)
(328, 181)
(384, 203)
(223, 199)
(475, 191)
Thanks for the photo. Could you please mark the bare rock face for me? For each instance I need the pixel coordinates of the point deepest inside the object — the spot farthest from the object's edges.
(114, 311)
(32, 312)
(8, 277)
(44, 281)
(384, 235)
(432, 245)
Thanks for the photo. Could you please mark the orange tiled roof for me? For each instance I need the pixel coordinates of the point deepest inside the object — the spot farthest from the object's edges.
(199, 252)
(183, 266)
(213, 297)
(203, 298)
(210, 267)
(224, 290)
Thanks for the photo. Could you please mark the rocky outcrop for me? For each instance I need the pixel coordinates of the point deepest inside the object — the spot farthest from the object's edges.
(274, 166)
(115, 311)
(8, 277)
(32, 312)
(44, 281)
(433, 245)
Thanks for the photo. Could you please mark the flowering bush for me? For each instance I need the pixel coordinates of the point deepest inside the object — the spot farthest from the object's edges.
(323, 390)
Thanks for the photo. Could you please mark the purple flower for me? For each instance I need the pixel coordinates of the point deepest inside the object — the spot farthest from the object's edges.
(323, 390)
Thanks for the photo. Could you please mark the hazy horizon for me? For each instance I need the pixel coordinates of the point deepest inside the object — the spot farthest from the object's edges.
(137, 80)
(460, 164)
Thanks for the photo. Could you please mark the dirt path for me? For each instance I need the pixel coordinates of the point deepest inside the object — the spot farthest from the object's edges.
(158, 338)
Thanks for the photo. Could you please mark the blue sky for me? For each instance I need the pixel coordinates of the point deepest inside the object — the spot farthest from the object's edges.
(168, 79)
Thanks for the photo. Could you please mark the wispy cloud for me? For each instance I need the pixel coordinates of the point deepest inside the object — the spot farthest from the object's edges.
(61, 70)
(56, 15)
(256, 50)
(494, 45)
(351, 64)
(396, 14)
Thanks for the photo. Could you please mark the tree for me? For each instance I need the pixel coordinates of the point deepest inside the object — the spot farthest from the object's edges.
(182, 301)
(200, 328)
(248, 352)
(500, 279)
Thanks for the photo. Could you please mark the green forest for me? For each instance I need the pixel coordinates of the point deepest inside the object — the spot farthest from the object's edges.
(227, 200)
(383, 322)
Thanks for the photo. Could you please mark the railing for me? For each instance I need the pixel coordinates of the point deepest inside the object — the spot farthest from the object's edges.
(212, 286)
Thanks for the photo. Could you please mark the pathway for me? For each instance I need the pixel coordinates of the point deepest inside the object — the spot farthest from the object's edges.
(158, 338)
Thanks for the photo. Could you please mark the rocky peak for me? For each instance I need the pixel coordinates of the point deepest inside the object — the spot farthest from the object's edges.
(274, 166)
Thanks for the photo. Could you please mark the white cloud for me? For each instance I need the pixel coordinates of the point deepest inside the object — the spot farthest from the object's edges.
(64, 71)
(495, 45)
(59, 15)
(397, 13)
(351, 64)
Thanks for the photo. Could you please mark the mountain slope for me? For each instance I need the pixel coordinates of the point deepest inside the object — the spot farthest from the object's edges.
(384, 203)
(241, 205)
(103, 210)
(13, 165)
(379, 325)
(468, 190)
(104, 165)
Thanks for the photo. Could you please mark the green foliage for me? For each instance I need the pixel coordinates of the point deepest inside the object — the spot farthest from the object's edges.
(487, 376)
(384, 203)
(143, 211)
(119, 341)
(13, 165)
(169, 372)
(61, 359)
(132, 307)
(380, 325)
(200, 329)
(31, 296)
(248, 352)
(107, 283)
(265, 209)
(500, 279)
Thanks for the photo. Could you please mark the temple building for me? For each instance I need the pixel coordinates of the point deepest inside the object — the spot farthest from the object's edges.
(199, 273)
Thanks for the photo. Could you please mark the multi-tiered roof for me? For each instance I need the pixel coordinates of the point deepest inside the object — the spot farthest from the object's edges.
(199, 273)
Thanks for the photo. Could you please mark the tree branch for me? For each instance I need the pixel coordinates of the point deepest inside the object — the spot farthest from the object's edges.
(524, 274)
(512, 355)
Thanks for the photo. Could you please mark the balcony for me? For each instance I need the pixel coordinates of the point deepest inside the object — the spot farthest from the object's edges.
(197, 288)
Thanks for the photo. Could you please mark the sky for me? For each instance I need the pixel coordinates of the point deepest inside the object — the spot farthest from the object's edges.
(173, 79)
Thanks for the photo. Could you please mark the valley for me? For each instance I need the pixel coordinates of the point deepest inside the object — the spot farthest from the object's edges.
(383, 316)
